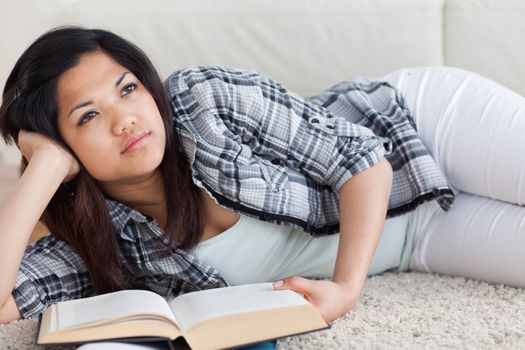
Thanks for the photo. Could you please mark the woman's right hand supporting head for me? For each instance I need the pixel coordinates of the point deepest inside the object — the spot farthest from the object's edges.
(49, 165)
(33, 144)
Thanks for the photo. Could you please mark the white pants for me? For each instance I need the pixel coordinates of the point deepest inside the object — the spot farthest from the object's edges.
(473, 127)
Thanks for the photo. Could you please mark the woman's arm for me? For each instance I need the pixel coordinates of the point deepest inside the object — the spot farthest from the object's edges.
(363, 204)
(48, 166)
(9, 312)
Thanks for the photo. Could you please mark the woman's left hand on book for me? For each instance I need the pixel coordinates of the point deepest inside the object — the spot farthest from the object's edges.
(332, 299)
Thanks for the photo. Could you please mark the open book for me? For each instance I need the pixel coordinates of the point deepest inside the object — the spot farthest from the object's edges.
(208, 319)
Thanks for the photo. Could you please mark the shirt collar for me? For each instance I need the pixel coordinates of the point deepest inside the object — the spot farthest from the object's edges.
(120, 216)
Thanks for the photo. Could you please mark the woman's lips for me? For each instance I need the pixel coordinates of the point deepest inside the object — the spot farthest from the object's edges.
(135, 142)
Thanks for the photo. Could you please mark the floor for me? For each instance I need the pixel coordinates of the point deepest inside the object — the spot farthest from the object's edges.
(395, 311)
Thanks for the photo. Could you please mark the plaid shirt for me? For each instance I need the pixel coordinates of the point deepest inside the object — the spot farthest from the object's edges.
(260, 150)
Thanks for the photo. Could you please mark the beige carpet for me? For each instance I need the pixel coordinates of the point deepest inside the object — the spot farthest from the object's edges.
(396, 311)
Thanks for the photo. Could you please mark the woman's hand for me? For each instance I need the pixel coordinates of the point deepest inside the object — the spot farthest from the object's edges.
(33, 144)
(332, 299)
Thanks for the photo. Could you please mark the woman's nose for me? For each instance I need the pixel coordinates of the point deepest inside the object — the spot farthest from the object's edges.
(124, 123)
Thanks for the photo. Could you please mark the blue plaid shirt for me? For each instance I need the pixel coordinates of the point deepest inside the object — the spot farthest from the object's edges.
(262, 151)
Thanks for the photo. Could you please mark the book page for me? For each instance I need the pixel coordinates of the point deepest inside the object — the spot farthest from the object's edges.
(110, 306)
(194, 307)
(53, 318)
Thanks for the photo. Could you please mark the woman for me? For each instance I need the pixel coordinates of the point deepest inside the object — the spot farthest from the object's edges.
(129, 177)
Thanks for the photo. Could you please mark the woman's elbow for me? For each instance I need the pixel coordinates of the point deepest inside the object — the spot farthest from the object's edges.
(9, 311)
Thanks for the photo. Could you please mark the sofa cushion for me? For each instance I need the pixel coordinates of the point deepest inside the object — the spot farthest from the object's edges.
(486, 36)
(307, 44)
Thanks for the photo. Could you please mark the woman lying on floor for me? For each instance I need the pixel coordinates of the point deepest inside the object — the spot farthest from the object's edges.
(222, 168)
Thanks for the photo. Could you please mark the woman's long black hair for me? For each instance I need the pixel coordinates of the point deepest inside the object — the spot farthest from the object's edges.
(77, 213)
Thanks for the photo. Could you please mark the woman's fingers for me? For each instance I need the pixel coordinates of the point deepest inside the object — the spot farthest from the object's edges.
(297, 284)
(31, 143)
(331, 299)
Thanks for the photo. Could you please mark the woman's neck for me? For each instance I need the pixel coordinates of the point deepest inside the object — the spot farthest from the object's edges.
(146, 194)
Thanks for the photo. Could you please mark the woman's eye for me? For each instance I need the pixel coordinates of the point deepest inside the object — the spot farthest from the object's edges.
(128, 88)
(86, 117)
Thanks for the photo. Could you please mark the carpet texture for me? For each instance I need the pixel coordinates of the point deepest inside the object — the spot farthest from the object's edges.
(395, 311)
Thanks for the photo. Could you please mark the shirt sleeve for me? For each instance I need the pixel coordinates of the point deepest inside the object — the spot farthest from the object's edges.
(50, 271)
(277, 123)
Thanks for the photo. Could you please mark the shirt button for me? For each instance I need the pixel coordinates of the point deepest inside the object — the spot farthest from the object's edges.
(435, 191)
(276, 161)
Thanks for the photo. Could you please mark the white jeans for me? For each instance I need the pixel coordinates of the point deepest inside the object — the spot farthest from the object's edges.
(473, 127)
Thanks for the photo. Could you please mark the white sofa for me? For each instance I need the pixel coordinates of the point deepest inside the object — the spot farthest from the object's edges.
(307, 44)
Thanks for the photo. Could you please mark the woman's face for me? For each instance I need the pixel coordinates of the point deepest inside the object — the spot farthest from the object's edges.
(110, 120)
